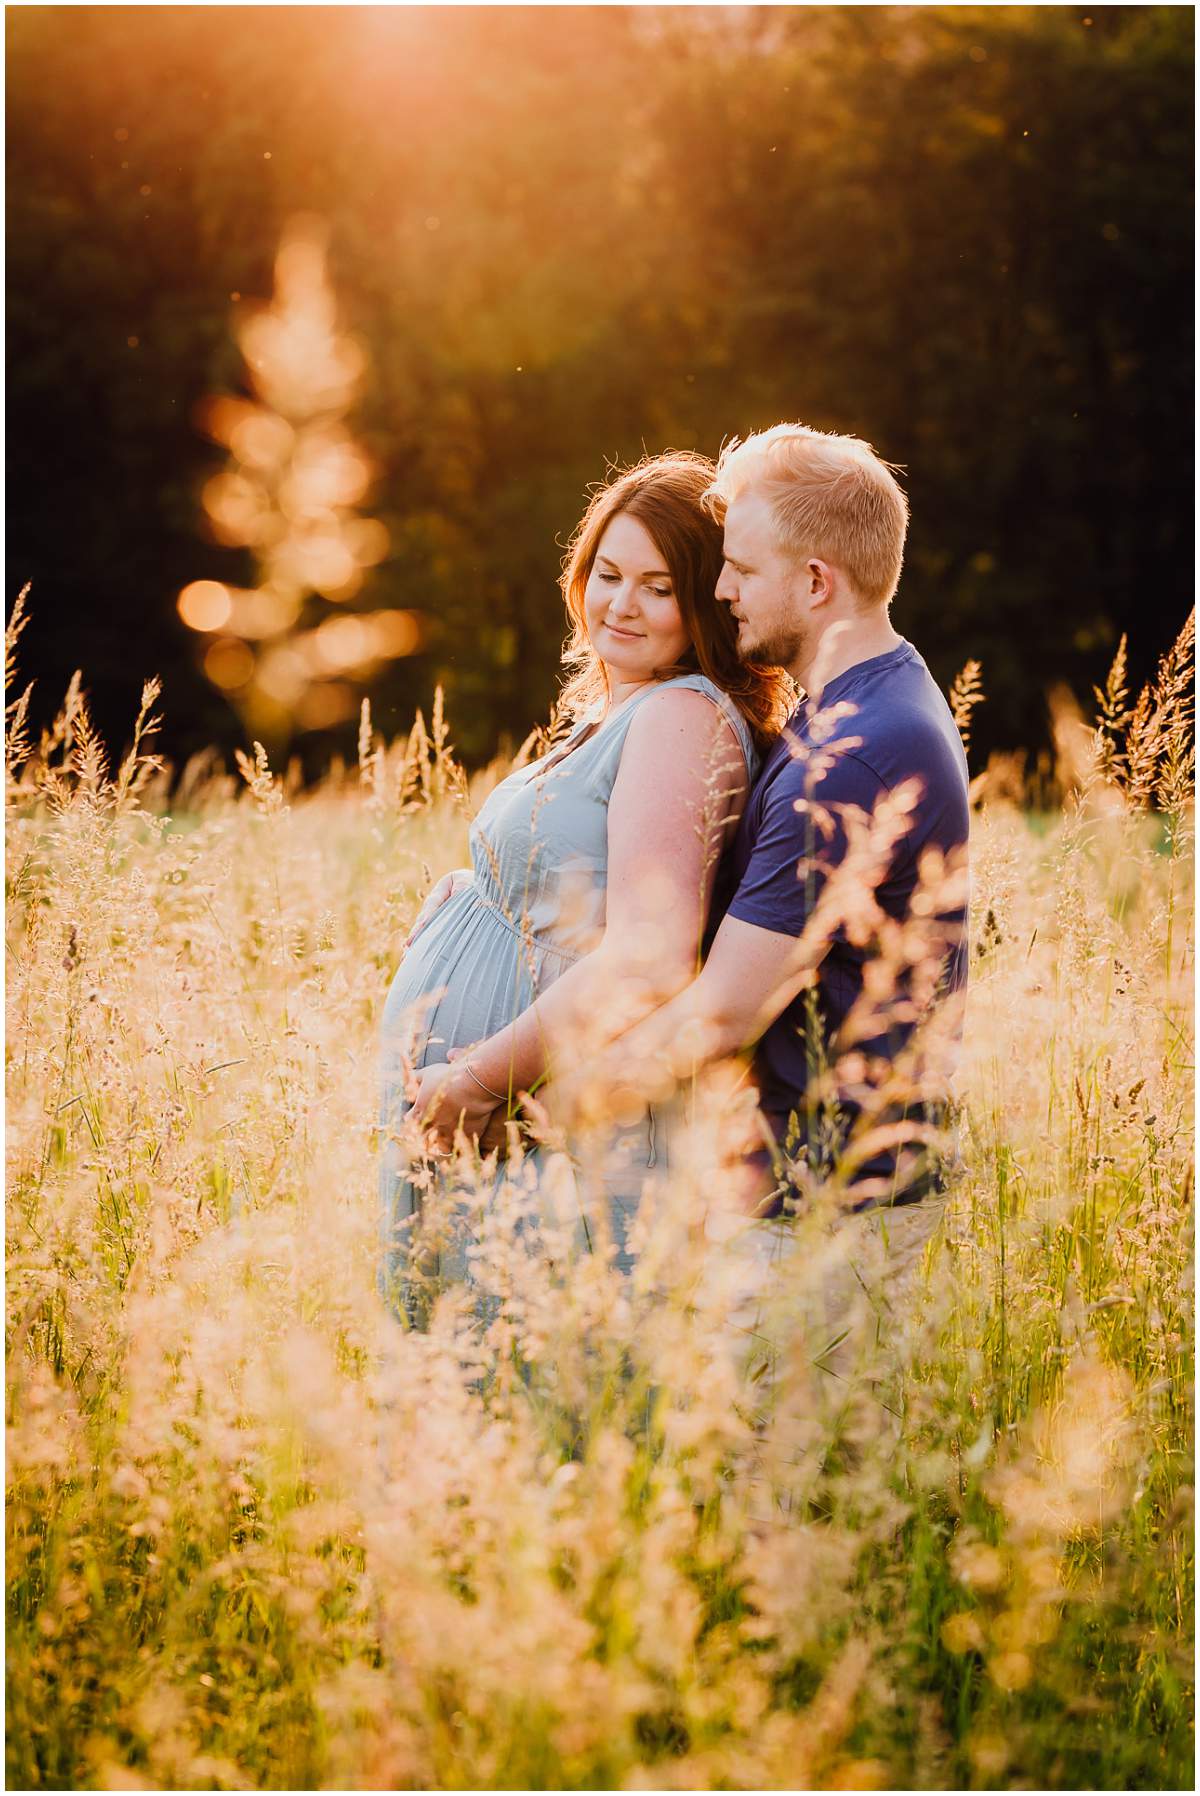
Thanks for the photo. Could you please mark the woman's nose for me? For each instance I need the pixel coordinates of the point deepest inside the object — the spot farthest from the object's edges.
(624, 599)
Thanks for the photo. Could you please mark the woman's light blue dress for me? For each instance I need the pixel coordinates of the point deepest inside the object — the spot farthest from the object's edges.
(533, 904)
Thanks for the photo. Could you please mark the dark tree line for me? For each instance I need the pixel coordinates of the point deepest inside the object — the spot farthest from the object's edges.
(568, 234)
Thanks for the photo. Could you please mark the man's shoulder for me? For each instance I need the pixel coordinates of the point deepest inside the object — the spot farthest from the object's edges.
(905, 727)
(868, 753)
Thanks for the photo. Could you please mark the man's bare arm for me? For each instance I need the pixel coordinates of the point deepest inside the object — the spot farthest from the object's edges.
(749, 978)
(752, 974)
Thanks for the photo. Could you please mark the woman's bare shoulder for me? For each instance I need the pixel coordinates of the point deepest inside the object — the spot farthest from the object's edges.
(680, 717)
(680, 737)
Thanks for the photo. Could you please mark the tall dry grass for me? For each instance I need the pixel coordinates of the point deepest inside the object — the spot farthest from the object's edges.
(260, 1536)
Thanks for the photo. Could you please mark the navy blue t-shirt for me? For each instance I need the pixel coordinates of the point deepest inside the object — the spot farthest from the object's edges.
(899, 728)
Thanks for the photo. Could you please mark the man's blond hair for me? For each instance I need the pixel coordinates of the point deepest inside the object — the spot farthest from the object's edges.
(832, 499)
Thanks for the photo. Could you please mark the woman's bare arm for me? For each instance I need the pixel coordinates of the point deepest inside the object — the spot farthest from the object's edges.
(679, 792)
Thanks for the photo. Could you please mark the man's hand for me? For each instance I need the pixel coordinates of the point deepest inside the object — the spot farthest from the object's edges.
(446, 1098)
(494, 1138)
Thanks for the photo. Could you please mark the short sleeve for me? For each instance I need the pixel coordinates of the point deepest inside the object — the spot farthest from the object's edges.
(795, 849)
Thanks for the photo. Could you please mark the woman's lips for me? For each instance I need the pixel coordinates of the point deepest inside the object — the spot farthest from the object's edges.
(629, 635)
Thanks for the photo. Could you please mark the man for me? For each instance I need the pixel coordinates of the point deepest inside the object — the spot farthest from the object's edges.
(867, 788)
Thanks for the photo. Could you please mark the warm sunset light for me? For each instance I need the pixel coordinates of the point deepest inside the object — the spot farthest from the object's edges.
(600, 936)
(205, 605)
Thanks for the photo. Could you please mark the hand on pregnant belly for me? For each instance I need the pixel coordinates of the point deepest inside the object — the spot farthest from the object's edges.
(445, 888)
(446, 1098)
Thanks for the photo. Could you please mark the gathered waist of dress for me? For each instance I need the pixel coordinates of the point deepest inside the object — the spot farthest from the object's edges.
(535, 941)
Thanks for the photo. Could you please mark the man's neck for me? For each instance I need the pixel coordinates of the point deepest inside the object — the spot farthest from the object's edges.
(844, 645)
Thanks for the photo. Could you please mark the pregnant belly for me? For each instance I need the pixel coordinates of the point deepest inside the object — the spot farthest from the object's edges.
(466, 975)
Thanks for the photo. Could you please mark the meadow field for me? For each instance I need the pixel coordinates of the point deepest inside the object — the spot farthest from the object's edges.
(584, 1535)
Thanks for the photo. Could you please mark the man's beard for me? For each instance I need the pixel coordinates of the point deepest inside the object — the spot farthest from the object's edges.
(779, 647)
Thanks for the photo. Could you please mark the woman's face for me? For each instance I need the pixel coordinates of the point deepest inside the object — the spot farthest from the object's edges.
(633, 617)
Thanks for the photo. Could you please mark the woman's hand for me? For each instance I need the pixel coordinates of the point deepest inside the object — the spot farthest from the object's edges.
(446, 1098)
(437, 895)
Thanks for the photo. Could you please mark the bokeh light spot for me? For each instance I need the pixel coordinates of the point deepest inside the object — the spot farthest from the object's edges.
(397, 633)
(367, 540)
(264, 612)
(282, 673)
(205, 605)
(342, 642)
(237, 507)
(229, 664)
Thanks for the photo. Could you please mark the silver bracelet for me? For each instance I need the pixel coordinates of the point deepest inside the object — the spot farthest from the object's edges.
(501, 1097)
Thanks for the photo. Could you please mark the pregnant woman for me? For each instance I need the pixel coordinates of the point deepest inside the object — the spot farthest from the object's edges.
(592, 868)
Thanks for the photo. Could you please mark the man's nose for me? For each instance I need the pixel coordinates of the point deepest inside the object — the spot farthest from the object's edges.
(727, 584)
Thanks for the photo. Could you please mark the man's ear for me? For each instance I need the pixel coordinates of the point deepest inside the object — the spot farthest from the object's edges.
(819, 576)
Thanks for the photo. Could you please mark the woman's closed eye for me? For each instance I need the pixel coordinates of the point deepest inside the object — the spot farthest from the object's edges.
(659, 592)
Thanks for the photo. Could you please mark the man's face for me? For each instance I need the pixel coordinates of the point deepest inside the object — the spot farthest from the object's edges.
(762, 586)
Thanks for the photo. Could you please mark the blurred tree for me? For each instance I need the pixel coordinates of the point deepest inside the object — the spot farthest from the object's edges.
(568, 234)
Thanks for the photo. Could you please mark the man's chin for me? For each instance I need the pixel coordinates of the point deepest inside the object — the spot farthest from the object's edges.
(765, 652)
(751, 649)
